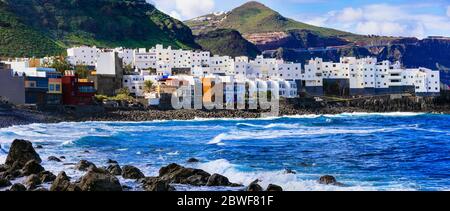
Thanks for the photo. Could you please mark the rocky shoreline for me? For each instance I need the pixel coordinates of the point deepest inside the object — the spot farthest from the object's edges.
(383, 104)
(23, 164)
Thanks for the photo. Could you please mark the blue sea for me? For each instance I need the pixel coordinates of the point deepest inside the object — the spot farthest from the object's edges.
(392, 151)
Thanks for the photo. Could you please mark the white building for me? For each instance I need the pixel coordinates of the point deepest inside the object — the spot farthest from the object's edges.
(83, 55)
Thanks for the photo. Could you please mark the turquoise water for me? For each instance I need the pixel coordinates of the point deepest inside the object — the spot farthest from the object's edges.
(394, 151)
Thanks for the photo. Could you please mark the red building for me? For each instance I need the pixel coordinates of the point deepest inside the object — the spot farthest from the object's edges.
(76, 92)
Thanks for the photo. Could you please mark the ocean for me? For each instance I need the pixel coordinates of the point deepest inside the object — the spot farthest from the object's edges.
(392, 151)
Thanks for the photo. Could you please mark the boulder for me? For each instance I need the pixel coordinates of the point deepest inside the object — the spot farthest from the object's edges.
(62, 183)
(32, 167)
(18, 187)
(115, 169)
(193, 160)
(53, 158)
(99, 180)
(175, 173)
(218, 180)
(84, 165)
(4, 182)
(131, 172)
(156, 184)
(21, 151)
(254, 186)
(32, 182)
(274, 188)
(3, 168)
(289, 171)
(39, 147)
(328, 180)
(47, 176)
(112, 162)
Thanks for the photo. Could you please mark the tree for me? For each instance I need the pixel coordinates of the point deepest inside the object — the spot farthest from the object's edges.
(82, 71)
(148, 86)
(60, 64)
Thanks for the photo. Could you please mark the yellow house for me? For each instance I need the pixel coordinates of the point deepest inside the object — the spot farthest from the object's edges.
(54, 86)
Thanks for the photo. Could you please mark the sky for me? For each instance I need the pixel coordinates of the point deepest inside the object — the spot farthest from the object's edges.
(383, 17)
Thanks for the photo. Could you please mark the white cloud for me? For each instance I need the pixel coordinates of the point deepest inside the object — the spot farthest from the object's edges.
(385, 19)
(184, 9)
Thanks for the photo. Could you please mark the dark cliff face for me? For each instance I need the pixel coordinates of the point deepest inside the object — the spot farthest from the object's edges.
(227, 42)
(301, 39)
(429, 53)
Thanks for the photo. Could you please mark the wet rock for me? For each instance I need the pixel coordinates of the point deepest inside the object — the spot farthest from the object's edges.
(84, 165)
(3, 168)
(115, 169)
(53, 158)
(39, 147)
(112, 162)
(218, 180)
(156, 184)
(175, 173)
(62, 157)
(193, 160)
(254, 186)
(289, 171)
(273, 187)
(131, 172)
(126, 188)
(47, 176)
(32, 182)
(4, 182)
(99, 180)
(329, 180)
(18, 188)
(62, 183)
(21, 151)
(32, 167)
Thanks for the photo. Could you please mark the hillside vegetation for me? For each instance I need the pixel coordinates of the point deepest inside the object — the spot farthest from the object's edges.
(46, 27)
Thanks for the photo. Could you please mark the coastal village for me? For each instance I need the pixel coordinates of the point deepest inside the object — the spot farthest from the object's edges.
(88, 75)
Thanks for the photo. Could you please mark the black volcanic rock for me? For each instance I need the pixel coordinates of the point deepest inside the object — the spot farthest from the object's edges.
(115, 169)
(175, 173)
(156, 184)
(131, 172)
(53, 158)
(32, 182)
(218, 180)
(62, 183)
(193, 160)
(32, 167)
(99, 180)
(21, 151)
(18, 188)
(4, 182)
(84, 165)
(274, 188)
(254, 186)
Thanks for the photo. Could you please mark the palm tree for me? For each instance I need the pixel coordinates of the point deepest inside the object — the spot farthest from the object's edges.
(148, 86)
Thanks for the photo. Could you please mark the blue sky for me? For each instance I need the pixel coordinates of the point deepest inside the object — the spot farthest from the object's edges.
(384, 17)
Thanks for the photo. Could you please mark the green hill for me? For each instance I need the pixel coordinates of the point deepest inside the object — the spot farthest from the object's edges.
(268, 29)
(42, 27)
(254, 17)
(227, 42)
